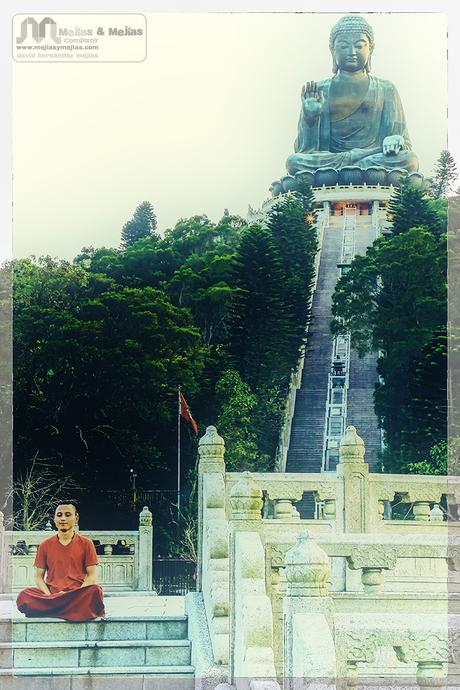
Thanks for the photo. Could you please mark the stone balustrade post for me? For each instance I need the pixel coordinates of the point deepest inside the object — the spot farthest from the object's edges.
(145, 555)
(354, 473)
(251, 615)
(213, 554)
(375, 213)
(211, 466)
(309, 648)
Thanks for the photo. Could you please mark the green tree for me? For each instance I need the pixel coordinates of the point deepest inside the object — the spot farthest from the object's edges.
(435, 464)
(409, 207)
(291, 224)
(394, 300)
(425, 419)
(445, 175)
(235, 423)
(262, 329)
(141, 225)
(96, 373)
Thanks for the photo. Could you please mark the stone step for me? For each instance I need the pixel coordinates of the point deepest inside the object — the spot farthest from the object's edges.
(170, 674)
(114, 628)
(92, 654)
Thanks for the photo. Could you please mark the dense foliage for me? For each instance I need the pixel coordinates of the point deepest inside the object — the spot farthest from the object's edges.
(102, 344)
(394, 300)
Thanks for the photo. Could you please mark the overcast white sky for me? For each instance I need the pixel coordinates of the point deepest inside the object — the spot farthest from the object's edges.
(205, 123)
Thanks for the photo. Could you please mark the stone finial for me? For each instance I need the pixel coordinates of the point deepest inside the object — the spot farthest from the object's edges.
(436, 514)
(351, 446)
(211, 447)
(48, 526)
(307, 568)
(246, 499)
(145, 517)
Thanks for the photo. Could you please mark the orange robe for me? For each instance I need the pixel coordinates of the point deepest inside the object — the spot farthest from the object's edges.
(65, 567)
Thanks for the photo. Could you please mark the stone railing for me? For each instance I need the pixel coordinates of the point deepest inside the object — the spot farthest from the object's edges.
(125, 558)
(267, 583)
(346, 644)
(213, 543)
(251, 616)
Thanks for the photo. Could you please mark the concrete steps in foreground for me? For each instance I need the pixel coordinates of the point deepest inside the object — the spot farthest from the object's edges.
(150, 646)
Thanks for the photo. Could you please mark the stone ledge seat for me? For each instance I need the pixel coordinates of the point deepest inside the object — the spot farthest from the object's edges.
(149, 645)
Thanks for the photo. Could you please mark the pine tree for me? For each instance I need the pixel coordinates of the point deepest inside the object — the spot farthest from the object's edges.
(142, 224)
(262, 325)
(393, 299)
(291, 224)
(409, 208)
(445, 175)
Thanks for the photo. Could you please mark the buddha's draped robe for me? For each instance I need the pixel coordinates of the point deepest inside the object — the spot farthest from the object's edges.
(358, 138)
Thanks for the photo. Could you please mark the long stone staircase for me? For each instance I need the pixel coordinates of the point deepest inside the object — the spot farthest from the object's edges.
(307, 431)
(363, 373)
(360, 411)
(306, 445)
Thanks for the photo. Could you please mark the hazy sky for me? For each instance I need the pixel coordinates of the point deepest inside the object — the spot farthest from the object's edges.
(205, 123)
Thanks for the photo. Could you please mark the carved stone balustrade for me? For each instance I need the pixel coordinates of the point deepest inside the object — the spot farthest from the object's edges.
(416, 640)
(125, 557)
(421, 490)
(362, 553)
(287, 488)
(266, 584)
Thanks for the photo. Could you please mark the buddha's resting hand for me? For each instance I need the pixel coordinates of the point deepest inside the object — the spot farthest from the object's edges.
(312, 102)
(393, 144)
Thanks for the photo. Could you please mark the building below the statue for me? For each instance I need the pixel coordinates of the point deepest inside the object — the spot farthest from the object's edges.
(339, 200)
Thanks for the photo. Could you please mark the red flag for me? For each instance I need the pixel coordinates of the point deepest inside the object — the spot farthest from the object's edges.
(186, 414)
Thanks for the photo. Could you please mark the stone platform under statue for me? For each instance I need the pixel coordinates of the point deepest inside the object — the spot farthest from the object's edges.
(344, 177)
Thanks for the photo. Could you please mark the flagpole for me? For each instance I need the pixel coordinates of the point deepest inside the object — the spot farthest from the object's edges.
(178, 461)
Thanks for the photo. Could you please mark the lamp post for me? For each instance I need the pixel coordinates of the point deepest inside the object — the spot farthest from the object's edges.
(133, 476)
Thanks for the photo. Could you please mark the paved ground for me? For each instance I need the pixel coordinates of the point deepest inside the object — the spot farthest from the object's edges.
(128, 604)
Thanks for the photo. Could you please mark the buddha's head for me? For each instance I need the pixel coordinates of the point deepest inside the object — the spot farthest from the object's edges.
(351, 43)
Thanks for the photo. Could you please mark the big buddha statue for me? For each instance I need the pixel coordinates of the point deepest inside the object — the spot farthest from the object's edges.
(353, 118)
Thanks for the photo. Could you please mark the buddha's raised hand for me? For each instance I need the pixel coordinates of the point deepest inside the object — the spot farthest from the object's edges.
(393, 144)
(312, 101)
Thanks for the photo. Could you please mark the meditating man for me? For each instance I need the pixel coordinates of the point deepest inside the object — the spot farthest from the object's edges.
(353, 118)
(65, 574)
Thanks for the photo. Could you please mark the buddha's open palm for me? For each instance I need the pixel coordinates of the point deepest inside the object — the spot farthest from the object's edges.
(312, 101)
